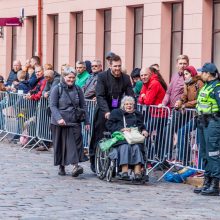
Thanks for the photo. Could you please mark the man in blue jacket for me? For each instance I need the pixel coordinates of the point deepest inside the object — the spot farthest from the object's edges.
(13, 74)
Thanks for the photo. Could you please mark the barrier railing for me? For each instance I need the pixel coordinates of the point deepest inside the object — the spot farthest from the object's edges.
(183, 143)
(87, 134)
(172, 135)
(20, 116)
(157, 122)
(3, 105)
(43, 124)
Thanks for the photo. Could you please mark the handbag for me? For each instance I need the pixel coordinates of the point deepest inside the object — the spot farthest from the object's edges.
(133, 136)
(80, 113)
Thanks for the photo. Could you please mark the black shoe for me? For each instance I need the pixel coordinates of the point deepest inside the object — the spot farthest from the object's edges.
(138, 177)
(77, 170)
(62, 171)
(213, 190)
(206, 185)
(124, 176)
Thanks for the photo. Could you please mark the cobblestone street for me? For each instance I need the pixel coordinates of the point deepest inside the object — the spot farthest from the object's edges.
(31, 189)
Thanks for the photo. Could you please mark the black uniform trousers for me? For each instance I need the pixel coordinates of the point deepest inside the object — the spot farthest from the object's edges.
(209, 139)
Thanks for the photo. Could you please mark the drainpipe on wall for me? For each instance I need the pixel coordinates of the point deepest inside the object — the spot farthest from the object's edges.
(39, 18)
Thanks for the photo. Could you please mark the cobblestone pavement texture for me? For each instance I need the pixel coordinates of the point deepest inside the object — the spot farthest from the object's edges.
(31, 189)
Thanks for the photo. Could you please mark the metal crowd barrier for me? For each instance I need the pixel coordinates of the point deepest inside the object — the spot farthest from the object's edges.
(172, 135)
(87, 134)
(43, 132)
(183, 141)
(157, 122)
(43, 124)
(185, 144)
(3, 104)
(20, 117)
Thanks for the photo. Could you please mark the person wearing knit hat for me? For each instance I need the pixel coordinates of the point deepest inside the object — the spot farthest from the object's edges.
(208, 123)
(192, 84)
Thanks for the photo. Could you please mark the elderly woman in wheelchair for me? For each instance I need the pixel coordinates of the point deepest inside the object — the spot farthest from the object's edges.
(127, 156)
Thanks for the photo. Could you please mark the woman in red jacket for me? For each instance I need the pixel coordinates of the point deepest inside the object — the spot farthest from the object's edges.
(154, 87)
(152, 93)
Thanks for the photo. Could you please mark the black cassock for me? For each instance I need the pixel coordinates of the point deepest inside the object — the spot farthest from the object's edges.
(109, 92)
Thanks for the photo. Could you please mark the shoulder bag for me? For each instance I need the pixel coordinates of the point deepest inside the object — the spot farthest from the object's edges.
(133, 136)
(80, 113)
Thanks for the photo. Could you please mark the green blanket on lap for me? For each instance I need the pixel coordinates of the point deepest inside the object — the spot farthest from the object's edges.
(108, 143)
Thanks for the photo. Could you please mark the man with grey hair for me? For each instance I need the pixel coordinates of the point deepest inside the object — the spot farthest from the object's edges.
(52, 78)
(89, 87)
(12, 78)
(82, 74)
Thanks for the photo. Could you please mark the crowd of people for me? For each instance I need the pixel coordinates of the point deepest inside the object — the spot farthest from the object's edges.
(116, 93)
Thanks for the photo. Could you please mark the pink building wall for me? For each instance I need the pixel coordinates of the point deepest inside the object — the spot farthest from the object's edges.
(156, 34)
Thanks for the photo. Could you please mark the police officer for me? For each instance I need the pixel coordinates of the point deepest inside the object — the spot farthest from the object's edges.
(208, 108)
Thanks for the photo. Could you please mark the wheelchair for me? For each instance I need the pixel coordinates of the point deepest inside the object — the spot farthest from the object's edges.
(107, 168)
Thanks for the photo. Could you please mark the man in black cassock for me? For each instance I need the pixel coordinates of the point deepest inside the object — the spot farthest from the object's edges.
(112, 85)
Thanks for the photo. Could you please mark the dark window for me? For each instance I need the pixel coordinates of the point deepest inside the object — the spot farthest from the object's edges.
(55, 43)
(138, 37)
(79, 36)
(176, 34)
(107, 34)
(216, 32)
(34, 38)
(1, 32)
(14, 45)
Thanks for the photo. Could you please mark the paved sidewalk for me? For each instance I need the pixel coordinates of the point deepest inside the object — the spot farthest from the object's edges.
(31, 189)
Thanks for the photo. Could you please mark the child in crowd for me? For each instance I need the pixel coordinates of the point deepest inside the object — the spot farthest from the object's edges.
(137, 83)
(23, 84)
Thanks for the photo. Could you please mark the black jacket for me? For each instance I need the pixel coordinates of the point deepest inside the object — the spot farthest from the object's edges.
(109, 88)
(61, 106)
(12, 77)
(116, 122)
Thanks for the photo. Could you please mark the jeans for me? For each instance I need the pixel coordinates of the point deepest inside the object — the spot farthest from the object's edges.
(183, 144)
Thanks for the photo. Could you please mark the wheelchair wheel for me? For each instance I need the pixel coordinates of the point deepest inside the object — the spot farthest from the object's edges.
(110, 170)
(102, 163)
